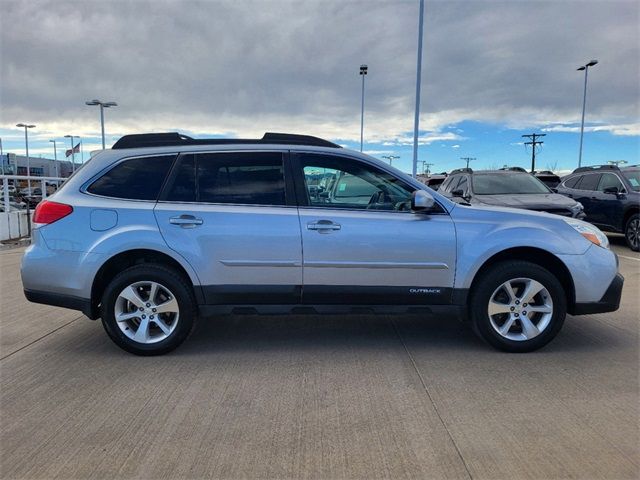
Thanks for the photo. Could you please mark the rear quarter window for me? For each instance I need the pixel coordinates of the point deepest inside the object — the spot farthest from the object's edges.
(134, 179)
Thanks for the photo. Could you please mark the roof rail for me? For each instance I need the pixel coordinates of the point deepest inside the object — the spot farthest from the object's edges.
(514, 169)
(461, 170)
(596, 167)
(176, 139)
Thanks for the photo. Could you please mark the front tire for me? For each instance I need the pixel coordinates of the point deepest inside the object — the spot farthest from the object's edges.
(517, 306)
(632, 232)
(148, 309)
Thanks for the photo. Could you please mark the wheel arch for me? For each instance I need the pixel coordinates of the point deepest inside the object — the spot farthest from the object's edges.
(632, 210)
(538, 256)
(129, 258)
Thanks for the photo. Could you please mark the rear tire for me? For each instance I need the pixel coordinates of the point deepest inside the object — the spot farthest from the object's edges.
(632, 232)
(148, 309)
(517, 306)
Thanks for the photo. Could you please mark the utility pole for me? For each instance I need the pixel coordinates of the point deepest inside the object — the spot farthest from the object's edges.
(468, 159)
(425, 167)
(534, 143)
(391, 158)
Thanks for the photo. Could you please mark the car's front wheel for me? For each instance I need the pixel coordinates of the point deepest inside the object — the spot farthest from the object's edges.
(148, 309)
(517, 306)
(632, 232)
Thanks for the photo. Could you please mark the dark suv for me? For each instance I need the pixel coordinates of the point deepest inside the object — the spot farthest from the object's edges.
(507, 187)
(611, 198)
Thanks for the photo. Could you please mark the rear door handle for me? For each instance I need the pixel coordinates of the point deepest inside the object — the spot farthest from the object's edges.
(186, 221)
(323, 226)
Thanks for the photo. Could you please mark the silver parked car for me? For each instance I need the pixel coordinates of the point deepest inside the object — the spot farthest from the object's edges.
(162, 229)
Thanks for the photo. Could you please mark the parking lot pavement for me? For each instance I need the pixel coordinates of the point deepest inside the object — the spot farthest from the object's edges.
(317, 397)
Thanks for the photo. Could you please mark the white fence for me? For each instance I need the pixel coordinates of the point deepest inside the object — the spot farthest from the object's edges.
(14, 222)
(13, 225)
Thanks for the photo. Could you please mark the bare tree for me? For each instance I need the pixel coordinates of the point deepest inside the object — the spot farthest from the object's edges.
(553, 166)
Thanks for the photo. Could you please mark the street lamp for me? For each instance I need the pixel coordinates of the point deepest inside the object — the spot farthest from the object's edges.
(617, 163)
(55, 157)
(73, 155)
(103, 105)
(26, 147)
(391, 158)
(363, 73)
(584, 103)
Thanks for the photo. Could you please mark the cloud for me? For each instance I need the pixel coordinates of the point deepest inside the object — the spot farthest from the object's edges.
(455, 146)
(245, 67)
(630, 129)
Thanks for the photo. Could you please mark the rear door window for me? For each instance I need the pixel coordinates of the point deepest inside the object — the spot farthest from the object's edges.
(134, 179)
(573, 181)
(589, 182)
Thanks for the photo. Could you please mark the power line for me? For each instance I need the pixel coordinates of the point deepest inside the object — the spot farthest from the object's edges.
(534, 143)
(468, 159)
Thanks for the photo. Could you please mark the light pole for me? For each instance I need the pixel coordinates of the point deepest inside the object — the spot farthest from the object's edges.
(391, 158)
(103, 105)
(617, 163)
(584, 103)
(26, 147)
(363, 73)
(416, 121)
(55, 157)
(73, 155)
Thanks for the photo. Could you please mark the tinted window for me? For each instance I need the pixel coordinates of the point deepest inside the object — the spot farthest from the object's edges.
(589, 182)
(463, 185)
(507, 184)
(135, 179)
(338, 182)
(572, 182)
(609, 180)
(181, 185)
(633, 177)
(254, 178)
(452, 182)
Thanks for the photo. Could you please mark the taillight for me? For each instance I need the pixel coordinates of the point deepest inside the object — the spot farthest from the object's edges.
(49, 212)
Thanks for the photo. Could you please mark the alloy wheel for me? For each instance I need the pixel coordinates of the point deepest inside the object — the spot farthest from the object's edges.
(633, 233)
(146, 312)
(520, 309)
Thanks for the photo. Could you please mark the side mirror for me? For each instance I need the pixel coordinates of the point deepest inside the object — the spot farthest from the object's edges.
(611, 190)
(421, 200)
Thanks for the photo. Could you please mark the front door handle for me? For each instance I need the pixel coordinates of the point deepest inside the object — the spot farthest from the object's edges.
(186, 221)
(323, 226)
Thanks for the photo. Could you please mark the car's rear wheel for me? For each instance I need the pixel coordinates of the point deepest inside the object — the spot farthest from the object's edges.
(632, 232)
(518, 306)
(148, 309)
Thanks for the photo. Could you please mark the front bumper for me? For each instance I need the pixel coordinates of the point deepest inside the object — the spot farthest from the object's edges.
(610, 301)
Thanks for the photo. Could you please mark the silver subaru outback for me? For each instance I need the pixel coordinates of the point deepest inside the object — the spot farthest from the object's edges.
(163, 229)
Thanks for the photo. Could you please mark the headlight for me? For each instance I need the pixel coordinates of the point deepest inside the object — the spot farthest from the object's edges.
(578, 207)
(588, 231)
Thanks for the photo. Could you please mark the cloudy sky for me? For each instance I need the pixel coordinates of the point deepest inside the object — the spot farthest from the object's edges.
(492, 71)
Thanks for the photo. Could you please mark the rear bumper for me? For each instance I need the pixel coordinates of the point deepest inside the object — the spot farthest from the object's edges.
(60, 300)
(610, 301)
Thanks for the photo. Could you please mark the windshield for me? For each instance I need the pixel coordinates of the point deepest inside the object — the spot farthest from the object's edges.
(634, 178)
(501, 184)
